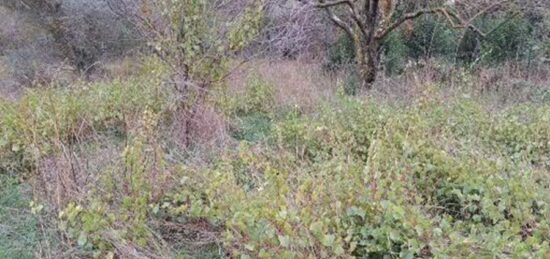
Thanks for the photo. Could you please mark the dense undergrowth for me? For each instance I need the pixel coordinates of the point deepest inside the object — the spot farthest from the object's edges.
(442, 176)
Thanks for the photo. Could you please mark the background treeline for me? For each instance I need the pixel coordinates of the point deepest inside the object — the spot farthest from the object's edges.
(42, 42)
(520, 36)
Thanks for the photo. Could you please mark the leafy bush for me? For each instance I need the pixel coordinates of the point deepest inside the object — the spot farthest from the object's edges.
(431, 37)
(509, 38)
(252, 127)
(370, 180)
(117, 210)
(259, 97)
(341, 54)
(513, 39)
(395, 53)
(31, 127)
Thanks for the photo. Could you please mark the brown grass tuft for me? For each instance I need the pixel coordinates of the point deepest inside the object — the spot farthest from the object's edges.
(297, 83)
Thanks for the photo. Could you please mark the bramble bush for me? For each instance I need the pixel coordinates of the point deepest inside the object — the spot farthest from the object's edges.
(30, 126)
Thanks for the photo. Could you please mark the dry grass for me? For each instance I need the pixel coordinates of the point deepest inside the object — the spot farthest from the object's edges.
(208, 134)
(71, 174)
(9, 88)
(298, 83)
(125, 67)
(503, 85)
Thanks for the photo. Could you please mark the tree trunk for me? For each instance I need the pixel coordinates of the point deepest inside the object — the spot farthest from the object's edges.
(367, 64)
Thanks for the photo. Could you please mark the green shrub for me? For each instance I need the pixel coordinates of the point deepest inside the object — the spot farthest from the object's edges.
(31, 126)
(258, 98)
(351, 84)
(371, 180)
(523, 135)
(253, 110)
(45, 121)
(395, 51)
(252, 128)
(340, 54)
(116, 211)
(512, 40)
(431, 37)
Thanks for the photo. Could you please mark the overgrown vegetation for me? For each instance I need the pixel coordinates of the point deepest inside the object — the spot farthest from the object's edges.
(439, 177)
(183, 150)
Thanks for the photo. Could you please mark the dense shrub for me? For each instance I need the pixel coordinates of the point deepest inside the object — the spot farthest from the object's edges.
(258, 97)
(509, 39)
(395, 53)
(119, 168)
(340, 54)
(369, 180)
(47, 123)
(431, 37)
(31, 127)
(438, 177)
(116, 212)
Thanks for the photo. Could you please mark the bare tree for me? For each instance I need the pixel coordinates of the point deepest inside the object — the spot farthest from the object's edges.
(369, 22)
(290, 29)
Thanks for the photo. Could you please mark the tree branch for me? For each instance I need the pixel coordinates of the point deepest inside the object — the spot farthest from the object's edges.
(452, 18)
(357, 19)
(333, 17)
(323, 4)
(372, 19)
(404, 18)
